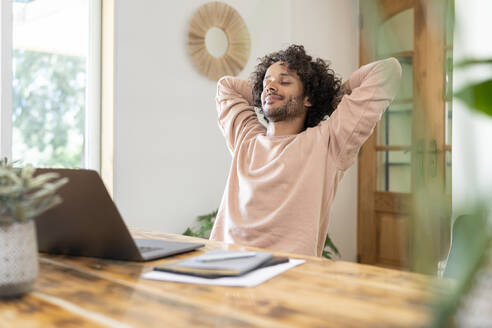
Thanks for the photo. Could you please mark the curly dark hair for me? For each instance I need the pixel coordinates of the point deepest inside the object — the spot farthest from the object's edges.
(321, 85)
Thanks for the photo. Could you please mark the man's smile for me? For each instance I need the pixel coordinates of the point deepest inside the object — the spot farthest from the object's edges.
(272, 98)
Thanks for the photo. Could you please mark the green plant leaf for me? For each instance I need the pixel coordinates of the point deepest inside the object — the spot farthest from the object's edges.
(206, 228)
(27, 172)
(327, 255)
(330, 247)
(205, 225)
(41, 179)
(188, 232)
(472, 61)
(477, 96)
(23, 196)
(208, 216)
(472, 241)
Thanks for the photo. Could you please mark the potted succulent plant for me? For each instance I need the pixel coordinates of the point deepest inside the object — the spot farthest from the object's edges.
(23, 196)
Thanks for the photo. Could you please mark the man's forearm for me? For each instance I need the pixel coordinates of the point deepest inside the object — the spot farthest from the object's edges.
(385, 73)
(232, 87)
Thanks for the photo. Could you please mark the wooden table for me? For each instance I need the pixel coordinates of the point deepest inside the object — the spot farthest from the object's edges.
(89, 292)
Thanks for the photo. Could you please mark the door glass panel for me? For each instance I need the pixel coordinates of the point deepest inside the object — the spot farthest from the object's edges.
(396, 38)
(448, 93)
(393, 171)
(448, 69)
(448, 172)
(50, 43)
(448, 74)
(395, 35)
(449, 22)
(405, 92)
(395, 127)
(448, 122)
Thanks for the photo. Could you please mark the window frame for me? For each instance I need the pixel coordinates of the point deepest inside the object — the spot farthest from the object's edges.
(6, 79)
(93, 89)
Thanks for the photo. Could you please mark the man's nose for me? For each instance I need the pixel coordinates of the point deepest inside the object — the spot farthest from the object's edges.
(271, 87)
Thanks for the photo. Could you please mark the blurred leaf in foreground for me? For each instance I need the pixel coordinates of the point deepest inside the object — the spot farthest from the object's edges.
(477, 96)
(472, 241)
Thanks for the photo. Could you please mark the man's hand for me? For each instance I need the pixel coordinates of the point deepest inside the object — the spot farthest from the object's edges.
(344, 90)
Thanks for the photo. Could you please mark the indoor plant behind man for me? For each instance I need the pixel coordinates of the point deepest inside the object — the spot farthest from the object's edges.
(284, 176)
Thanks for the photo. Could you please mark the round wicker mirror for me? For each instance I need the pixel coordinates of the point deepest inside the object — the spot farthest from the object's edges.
(214, 54)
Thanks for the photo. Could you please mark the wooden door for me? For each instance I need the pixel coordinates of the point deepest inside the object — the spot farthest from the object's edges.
(405, 158)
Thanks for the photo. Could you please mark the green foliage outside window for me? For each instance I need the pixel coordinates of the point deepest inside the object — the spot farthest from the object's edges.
(48, 108)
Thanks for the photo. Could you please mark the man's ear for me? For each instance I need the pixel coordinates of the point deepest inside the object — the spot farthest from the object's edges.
(306, 102)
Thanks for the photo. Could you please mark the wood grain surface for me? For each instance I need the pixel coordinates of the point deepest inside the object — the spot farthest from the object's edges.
(90, 292)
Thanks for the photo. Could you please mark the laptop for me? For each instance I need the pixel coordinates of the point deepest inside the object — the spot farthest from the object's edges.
(87, 223)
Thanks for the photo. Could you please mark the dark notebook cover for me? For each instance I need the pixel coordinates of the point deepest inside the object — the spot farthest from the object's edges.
(218, 268)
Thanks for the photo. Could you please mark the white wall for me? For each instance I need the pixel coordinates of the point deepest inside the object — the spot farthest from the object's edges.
(472, 132)
(171, 162)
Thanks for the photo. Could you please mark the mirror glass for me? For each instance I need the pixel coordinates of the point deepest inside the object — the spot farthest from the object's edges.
(216, 42)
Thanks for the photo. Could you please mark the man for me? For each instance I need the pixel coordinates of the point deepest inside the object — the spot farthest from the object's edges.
(283, 178)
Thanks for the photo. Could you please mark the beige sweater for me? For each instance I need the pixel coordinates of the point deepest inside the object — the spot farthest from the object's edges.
(280, 189)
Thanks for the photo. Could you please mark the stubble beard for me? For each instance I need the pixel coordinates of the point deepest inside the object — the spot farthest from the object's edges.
(288, 112)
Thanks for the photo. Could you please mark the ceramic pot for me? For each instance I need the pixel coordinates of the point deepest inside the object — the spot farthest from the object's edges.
(19, 265)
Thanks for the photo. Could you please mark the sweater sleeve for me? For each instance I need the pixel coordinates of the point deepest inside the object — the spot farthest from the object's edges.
(236, 114)
(373, 88)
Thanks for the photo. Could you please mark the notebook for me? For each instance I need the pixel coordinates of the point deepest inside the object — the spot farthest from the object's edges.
(229, 267)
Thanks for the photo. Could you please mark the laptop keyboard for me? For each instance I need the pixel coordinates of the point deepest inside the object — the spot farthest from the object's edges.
(146, 249)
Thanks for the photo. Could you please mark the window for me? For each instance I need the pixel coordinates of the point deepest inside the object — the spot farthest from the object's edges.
(53, 50)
